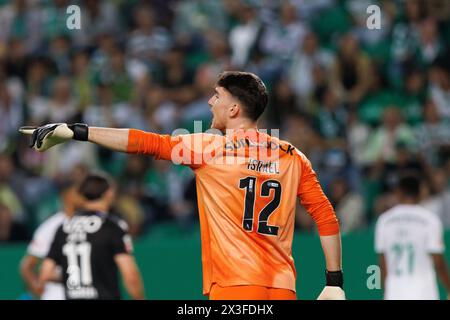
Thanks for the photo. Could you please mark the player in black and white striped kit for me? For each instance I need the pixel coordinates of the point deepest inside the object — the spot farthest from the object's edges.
(40, 245)
(93, 246)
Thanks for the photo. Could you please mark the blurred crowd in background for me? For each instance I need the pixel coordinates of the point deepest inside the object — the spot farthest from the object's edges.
(363, 105)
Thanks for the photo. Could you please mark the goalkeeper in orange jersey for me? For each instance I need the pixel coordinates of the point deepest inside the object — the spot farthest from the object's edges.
(247, 183)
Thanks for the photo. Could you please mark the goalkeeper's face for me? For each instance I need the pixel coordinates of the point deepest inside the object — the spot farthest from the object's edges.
(223, 107)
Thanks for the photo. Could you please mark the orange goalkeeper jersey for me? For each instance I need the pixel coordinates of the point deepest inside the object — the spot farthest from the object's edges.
(247, 186)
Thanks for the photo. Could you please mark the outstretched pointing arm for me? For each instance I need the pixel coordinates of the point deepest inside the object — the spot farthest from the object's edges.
(134, 141)
(49, 135)
(114, 139)
(179, 149)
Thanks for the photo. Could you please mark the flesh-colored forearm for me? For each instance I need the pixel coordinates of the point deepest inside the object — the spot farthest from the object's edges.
(131, 275)
(331, 246)
(442, 271)
(47, 270)
(46, 274)
(114, 139)
(135, 287)
(28, 272)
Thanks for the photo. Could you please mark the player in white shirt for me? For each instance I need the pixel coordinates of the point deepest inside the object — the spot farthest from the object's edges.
(40, 245)
(409, 241)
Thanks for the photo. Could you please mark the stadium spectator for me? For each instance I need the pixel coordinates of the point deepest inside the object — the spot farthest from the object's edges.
(16, 59)
(99, 16)
(383, 141)
(6, 223)
(282, 37)
(244, 36)
(412, 97)
(38, 84)
(331, 119)
(54, 19)
(13, 213)
(19, 19)
(11, 111)
(148, 42)
(379, 96)
(358, 134)
(433, 135)
(103, 110)
(303, 63)
(196, 17)
(283, 102)
(59, 52)
(129, 208)
(439, 77)
(439, 199)
(82, 78)
(430, 45)
(351, 76)
(405, 39)
(61, 105)
(349, 206)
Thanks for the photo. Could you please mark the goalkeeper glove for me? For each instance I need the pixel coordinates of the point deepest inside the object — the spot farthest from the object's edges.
(333, 289)
(45, 137)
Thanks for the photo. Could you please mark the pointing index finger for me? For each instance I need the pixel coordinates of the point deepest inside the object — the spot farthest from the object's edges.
(27, 130)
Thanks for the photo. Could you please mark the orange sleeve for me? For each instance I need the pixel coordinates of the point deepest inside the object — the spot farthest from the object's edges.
(141, 142)
(315, 201)
(178, 149)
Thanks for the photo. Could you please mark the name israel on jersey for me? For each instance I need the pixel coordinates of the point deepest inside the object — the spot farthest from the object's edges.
(263, 166)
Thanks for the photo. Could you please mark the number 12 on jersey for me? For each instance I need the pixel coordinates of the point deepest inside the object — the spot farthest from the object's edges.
(249, 184)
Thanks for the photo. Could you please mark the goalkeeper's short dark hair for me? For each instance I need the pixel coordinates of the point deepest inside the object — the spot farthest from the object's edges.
(248, 88)
(409, 184)
(94, 186)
